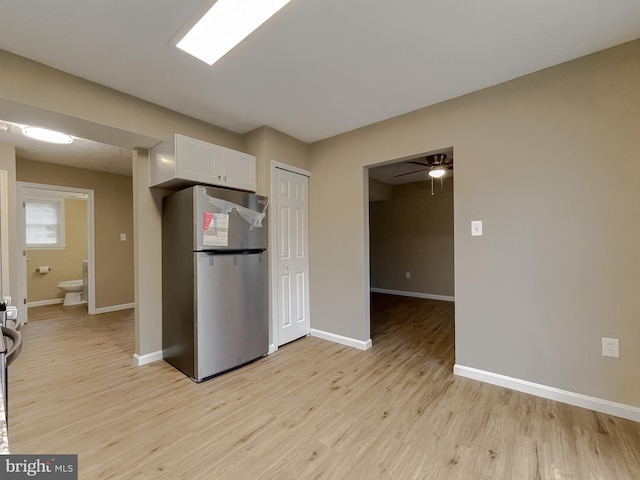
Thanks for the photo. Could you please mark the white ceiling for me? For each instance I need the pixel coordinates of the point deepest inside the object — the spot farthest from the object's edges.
(319, 67)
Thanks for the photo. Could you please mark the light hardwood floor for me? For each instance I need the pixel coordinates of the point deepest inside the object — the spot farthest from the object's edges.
(313, 410)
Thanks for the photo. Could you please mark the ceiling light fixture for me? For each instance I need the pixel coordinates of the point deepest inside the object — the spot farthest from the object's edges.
(225, 25)
(45, 135)
(437, 172)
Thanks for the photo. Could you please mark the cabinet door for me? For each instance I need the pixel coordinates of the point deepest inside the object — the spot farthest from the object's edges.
(196, 160)
(236, 170)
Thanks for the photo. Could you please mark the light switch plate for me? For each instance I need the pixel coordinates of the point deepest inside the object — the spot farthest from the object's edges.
(123, 237)
(476, 228)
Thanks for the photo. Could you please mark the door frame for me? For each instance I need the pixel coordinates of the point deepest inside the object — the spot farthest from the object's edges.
(273, 278)
(21, 252)
(4, 232)
(367, 220)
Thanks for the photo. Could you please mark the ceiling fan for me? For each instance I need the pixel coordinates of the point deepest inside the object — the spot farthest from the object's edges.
(436, 165)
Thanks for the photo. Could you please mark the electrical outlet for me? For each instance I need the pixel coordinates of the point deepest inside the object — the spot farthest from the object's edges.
(476, 228)
(407, 274)
(610, 347)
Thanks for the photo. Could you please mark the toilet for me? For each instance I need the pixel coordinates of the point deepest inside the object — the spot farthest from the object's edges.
(73, 292)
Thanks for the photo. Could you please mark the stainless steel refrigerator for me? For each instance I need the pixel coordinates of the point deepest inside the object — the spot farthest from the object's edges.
(214, 280)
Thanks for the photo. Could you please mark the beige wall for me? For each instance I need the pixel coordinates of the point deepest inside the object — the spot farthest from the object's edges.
(268, 144)
(31, 83)
(549, 162)
(113, 213)
(147, 222)
(64, 263)
(255, 143)
(379, 191)
(413, 232)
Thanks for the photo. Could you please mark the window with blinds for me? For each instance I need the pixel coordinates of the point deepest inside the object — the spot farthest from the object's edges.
(45, 223)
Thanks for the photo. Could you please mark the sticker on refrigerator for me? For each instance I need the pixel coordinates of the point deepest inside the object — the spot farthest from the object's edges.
(216, 229)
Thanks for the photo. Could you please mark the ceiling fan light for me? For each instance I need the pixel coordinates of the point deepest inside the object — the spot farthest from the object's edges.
(45, 135)
(436, 172)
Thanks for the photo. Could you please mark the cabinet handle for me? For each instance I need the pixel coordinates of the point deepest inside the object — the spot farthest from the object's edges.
(225, 178)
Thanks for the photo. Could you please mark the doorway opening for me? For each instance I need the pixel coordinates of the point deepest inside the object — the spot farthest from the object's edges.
(411, 248)
(56, 235)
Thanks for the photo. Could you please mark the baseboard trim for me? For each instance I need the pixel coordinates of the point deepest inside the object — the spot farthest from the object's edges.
(349, 342)
(444, 298)
(42, 303)
(139, 360)
(115, 308)
(552, 393)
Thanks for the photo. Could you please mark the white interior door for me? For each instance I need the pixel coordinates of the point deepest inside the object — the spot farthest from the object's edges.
(292, 255)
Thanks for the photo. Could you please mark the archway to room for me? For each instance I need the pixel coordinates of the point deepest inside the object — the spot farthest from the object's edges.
(411, 255)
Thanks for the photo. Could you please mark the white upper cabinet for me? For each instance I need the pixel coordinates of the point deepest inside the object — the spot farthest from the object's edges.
(187, 161)
(236, 169)
(195, 160)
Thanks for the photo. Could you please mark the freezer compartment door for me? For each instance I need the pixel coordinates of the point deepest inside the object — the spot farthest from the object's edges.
(229, 219)
(232, 315)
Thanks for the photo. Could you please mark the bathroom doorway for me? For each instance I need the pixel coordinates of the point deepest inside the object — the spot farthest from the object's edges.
(61, 226)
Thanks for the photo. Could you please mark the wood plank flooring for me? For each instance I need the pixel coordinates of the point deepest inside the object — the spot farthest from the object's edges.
(312, 410)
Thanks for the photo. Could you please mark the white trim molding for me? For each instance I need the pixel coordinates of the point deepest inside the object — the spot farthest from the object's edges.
(115, 308)
(285, 166)
(430, 296)
(41, 303)
(139, 360)
(577, 399)
(349, 342)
